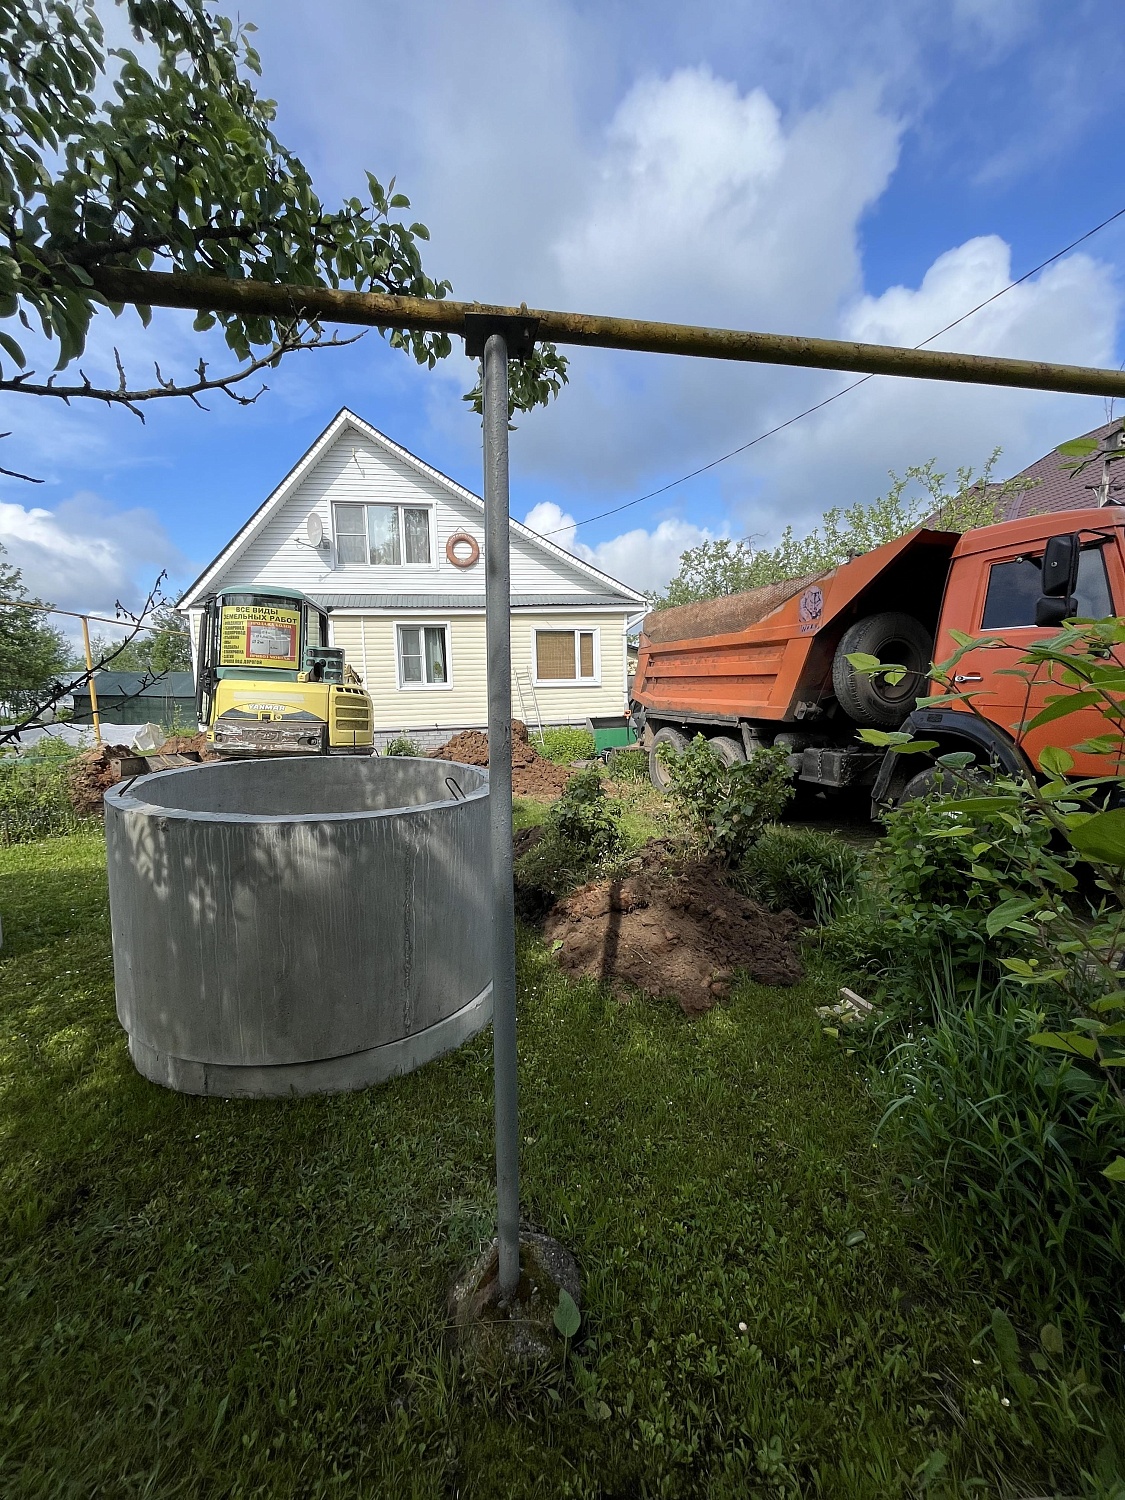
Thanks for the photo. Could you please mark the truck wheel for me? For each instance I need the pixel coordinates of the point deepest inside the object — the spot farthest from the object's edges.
(926, 783)
(897, 639)
(974, 780)
(676, 742)
(727, 751)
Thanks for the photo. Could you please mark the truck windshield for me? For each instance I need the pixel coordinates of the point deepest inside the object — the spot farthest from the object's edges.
(1014, 588)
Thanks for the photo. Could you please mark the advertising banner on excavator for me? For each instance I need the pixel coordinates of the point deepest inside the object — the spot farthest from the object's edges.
(260, 635)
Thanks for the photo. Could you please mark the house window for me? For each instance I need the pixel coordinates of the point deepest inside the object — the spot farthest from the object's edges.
(423, 656)
(566, 656)
(1014, 589)
(383, 535)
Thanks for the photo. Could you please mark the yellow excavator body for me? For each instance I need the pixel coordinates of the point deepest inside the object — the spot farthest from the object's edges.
(268, 683)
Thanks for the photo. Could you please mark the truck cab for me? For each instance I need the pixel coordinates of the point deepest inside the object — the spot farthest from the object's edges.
(269, 683)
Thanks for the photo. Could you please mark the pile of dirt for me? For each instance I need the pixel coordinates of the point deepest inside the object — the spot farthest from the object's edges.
(532, 776)
(673, 929)
(188, 744)
(469, 748)
(91, 775)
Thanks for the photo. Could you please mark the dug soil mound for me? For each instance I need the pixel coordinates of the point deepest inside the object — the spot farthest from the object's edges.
(532, 776)
(91, 775)
(673, 929)
(188, 744)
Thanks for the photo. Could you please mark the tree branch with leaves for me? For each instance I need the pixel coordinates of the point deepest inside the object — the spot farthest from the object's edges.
(106, 161)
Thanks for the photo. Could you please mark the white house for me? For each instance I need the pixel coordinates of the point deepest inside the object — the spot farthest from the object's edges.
(394, 549)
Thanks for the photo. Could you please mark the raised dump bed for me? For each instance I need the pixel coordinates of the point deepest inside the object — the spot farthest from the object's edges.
(297, 926)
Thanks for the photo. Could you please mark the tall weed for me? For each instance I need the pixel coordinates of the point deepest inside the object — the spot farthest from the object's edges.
(34, 795)
(802, 870)
(565, 744)
(1010, 1144)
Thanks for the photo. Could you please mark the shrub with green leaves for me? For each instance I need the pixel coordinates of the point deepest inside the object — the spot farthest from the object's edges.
(730, 805)
(34, 794)
(802, 870)
(401, 745)
(939, 875)
(1068, 828)
(564, 745)
(582, 836)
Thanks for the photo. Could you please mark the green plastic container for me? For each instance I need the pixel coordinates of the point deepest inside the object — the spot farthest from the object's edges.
(611, 732)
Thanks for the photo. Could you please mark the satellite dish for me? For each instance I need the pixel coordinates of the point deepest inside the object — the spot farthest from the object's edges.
(314, 529)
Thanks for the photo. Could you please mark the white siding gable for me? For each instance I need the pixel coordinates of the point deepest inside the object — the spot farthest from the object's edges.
(353, 467)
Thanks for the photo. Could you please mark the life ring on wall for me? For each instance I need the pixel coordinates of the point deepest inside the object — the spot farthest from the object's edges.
(462, 539)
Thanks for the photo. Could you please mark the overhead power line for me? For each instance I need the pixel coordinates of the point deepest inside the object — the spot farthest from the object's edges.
(819, 405)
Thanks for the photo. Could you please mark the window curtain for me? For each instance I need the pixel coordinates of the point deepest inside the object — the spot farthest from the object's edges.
(554, 655)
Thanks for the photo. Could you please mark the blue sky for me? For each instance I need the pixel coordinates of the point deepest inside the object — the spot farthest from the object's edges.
(860, 170)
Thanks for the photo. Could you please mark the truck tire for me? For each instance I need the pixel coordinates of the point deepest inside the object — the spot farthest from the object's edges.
(676, 742)
(975, 780)
(928, 782)
(727, 751)
(897, 639)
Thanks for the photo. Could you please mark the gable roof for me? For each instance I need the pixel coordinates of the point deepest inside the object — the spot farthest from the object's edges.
(1056, 488)
(343, 420)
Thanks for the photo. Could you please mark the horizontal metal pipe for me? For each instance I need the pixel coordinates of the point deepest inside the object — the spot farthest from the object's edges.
(378, 310)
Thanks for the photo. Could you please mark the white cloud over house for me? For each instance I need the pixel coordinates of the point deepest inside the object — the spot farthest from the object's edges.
(86, 554)
(645, 559)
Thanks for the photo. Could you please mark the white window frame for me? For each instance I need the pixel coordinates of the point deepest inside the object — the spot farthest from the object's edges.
(423, 687)
(567, 682)
(400, 506)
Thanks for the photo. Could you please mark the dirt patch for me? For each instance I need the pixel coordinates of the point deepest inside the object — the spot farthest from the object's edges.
(674, 929)
(91, 775)
(532, 776)
(188, 744)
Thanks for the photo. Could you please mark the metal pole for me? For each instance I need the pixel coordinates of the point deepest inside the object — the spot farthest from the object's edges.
(381, 310)
(93, 689)
(498, 626)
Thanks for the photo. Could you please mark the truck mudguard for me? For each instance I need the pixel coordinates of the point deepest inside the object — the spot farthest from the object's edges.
(950, 725)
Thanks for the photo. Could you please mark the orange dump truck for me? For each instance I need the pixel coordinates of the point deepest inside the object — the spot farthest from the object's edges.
(770, 667)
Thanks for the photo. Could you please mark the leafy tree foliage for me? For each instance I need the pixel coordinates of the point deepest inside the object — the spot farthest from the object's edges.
(32, 653)
(724, 567)
(165, 648)
(165, 157)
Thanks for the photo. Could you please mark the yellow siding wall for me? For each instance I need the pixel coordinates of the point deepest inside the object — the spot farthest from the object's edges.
(370, 644)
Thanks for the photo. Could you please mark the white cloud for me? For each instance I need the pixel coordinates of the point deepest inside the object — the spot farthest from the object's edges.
(706, 207)
(643, 559)
(84, 555)
(1069, 313)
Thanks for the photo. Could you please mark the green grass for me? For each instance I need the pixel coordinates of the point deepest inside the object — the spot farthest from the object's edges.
(203, 1297)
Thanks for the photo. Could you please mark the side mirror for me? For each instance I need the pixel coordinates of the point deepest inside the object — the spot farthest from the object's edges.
(1060, 566)
(1050, 611)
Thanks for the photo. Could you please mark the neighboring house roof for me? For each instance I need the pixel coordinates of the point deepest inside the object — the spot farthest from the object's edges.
(1056, 488)
(619, 592)
(141, 685)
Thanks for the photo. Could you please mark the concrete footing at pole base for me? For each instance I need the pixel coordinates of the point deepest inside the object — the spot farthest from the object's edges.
(517, 1328)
